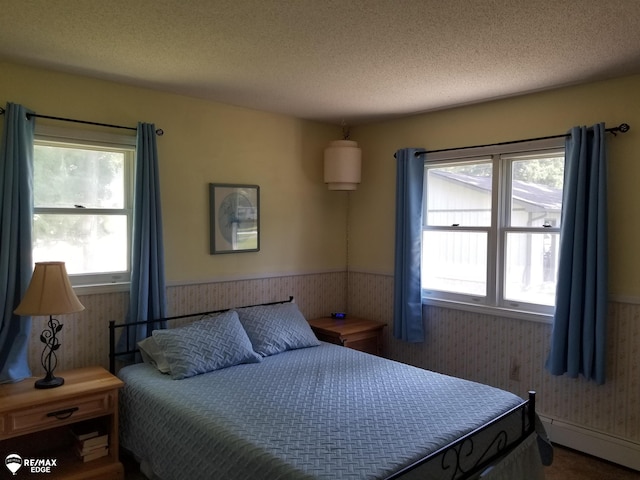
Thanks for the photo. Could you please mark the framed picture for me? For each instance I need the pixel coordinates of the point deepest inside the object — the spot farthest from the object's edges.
(234, 218)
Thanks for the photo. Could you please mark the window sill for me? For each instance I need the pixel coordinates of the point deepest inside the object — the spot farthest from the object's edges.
(103, 288)
(490, 310)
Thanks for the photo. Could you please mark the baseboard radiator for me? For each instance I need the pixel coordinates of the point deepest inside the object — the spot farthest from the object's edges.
(601, 445)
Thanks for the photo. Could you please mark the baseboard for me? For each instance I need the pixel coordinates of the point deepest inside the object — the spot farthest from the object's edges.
(601, 445)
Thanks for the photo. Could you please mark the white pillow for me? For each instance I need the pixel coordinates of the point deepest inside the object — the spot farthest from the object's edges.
(152, 354)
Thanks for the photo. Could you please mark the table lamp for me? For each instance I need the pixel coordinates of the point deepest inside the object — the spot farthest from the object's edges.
(49, 293)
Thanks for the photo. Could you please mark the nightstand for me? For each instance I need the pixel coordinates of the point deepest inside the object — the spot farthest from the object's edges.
(357, 333)
(36, 425)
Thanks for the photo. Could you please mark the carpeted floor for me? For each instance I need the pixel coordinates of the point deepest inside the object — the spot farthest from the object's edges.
(567, 465)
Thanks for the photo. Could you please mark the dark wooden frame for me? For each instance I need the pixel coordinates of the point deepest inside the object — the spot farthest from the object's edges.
(217, 194)
(451, 457)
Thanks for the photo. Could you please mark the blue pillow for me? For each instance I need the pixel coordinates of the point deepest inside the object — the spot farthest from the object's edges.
(276, 328)
(206, 345)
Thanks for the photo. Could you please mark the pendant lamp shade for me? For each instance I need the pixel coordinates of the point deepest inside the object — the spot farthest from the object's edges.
(342, 163)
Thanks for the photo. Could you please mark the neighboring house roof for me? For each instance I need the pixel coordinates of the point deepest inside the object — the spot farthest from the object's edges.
(526, 193)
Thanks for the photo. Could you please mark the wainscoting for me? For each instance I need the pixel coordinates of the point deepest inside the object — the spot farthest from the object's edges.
(85, 335)
(482, 347)
(477, 347)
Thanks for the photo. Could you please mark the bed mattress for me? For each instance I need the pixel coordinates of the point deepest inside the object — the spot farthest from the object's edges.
(324, 412)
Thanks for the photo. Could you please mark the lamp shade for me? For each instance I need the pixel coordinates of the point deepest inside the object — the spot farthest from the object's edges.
(50, 292)
(342, 163)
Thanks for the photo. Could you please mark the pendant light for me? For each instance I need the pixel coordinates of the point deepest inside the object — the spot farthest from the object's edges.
(342, 163)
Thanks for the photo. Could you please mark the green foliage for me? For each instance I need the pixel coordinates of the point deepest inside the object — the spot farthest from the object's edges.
(75, 178)
(548, 171)
(545, 171)
(65, 177)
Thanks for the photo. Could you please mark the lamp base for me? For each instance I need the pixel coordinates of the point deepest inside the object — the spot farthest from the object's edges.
(49, 382)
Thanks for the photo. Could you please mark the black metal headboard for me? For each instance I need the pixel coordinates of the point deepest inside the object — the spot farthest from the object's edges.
(113, 355)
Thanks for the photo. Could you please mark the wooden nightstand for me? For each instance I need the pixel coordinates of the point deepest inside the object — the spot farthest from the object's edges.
(357, 333)
(35, 424)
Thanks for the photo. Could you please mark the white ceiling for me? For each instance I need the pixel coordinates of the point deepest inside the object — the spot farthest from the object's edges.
(330, 60)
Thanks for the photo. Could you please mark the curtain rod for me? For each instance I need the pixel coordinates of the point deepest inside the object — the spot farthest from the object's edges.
(159, 131)
(622, 128)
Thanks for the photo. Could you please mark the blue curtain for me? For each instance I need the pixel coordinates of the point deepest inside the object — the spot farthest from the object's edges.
(16, 217)
(578, 338)
(147, 293)
(407, 295)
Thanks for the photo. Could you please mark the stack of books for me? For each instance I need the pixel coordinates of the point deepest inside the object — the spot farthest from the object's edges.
(90, 441)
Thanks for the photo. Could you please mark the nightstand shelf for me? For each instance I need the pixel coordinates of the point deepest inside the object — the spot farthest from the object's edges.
(35, 424)
(357, 333)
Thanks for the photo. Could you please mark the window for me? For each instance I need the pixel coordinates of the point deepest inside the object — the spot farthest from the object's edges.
(491, 226)
(83, 204)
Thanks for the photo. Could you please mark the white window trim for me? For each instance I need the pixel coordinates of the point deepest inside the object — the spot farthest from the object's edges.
(489, 310)
(106, 283)
(500, 309)
(50, 132)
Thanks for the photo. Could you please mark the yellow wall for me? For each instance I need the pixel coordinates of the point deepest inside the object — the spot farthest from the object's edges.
(490, 343)
(303, 225)
(372, 210)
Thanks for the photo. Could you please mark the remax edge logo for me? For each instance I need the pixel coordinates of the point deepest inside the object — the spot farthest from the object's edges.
(13, 462)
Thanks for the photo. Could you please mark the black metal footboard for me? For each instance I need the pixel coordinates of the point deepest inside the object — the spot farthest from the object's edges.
(454, 458)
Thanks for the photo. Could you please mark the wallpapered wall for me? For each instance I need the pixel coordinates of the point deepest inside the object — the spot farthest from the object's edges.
(85, 335)
(467, 345)
(480, 348)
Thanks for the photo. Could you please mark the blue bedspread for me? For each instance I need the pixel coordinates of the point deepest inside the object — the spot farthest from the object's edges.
(324, 412)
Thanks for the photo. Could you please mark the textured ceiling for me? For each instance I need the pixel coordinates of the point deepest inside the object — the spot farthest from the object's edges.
(330, 60)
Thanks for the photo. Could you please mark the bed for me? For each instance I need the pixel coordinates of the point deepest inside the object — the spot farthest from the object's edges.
(250, 393)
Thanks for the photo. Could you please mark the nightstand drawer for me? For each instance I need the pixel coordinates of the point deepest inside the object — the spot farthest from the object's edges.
(34, 423)
(368, 344)
(58, 413)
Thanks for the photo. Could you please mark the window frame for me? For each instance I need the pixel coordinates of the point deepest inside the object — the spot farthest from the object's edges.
(494, 302)
(51, 135)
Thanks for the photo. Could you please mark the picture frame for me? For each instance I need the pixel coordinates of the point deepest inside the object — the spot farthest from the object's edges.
(234, 212)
